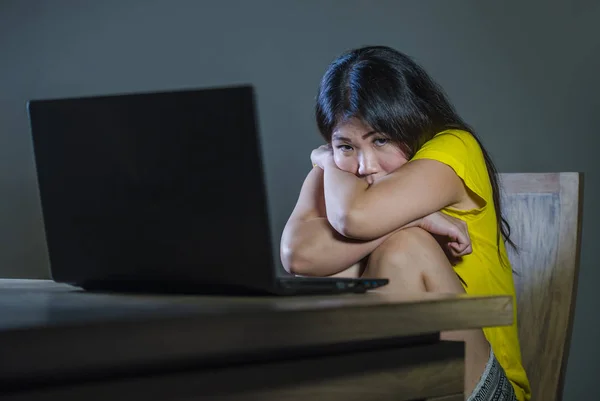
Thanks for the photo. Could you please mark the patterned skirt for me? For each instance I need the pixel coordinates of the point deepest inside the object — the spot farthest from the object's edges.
(493, 385)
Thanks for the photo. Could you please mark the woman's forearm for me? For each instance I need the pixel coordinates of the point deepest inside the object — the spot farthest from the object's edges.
(310, 245)
(340, 191)
(314, 248)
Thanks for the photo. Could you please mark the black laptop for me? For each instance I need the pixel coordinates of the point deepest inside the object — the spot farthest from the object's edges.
(160, 192)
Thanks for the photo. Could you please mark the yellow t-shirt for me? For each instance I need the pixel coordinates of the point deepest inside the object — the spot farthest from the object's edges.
(482, 270)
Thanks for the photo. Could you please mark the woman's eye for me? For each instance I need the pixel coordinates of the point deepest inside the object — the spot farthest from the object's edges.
(381, 141)
(344, 148)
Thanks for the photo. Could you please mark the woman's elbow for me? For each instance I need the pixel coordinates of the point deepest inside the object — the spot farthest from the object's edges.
(351, 225)
(293, 260)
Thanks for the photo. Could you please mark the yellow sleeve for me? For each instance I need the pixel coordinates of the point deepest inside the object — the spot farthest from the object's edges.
(461, 151)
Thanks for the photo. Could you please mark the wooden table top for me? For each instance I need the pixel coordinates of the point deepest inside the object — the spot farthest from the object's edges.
(50, 329)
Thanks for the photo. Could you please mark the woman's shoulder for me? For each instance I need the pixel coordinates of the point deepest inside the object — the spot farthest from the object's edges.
(461, 151)
(455, 147)
(452, 139)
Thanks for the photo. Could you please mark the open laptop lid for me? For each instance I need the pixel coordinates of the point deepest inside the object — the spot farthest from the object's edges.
(154, 186)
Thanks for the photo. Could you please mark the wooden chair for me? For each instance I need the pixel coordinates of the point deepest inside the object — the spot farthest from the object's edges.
(544, 212)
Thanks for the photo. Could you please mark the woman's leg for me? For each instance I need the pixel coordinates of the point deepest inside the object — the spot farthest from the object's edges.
(414, 262)
(354, 271)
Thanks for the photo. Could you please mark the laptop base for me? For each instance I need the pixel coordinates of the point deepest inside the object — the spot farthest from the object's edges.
(283, 286)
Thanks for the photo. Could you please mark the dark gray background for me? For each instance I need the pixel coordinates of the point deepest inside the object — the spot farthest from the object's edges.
(523, 73)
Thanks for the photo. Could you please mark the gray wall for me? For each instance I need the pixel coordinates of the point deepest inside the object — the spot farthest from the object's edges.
(525, 75)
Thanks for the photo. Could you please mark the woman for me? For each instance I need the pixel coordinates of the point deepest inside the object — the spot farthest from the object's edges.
(397, 154)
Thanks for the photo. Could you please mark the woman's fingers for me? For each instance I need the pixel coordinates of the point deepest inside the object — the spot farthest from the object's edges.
(460, 249)
(465, 251)
(461, 239)
(454, 249)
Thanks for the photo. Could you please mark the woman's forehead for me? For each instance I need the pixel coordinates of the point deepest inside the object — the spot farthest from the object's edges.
(353, 127)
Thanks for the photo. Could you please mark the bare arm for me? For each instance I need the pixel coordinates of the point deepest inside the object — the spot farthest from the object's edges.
(361, 211)
(310, 245)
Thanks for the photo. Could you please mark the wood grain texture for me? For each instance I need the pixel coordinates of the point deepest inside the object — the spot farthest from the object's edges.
(399, 374)
(544, 211)
(50, 330)
(531, 183)
(454, 397)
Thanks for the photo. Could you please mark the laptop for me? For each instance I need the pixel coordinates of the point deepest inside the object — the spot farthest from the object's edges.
(161, 192)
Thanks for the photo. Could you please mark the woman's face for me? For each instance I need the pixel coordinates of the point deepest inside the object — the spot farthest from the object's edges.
(363, 152)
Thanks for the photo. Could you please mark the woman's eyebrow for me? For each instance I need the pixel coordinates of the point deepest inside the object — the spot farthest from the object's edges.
(340, 138)
(343, 138)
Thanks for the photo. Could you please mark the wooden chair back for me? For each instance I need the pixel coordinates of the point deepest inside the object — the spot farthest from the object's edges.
(544, 212)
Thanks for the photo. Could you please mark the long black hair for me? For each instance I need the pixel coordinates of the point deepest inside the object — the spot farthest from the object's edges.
(392, 94)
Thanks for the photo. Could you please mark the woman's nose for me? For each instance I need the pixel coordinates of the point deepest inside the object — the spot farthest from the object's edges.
(367, 166)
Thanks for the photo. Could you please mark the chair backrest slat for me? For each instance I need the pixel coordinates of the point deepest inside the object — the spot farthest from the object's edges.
(544, 213)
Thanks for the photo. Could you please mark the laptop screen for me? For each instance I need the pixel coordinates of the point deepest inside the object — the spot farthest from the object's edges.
(167, 185)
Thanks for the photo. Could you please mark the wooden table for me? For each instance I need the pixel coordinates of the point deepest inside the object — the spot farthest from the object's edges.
(58, 342)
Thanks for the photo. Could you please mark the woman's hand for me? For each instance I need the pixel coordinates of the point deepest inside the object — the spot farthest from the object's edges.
(321, 156)
(451, 233)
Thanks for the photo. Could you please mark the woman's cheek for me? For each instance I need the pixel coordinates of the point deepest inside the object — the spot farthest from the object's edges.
(344, 163)
(390, 166)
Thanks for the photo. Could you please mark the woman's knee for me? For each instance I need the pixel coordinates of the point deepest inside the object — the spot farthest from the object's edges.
(402, 255)
(407, 245)
(413, 255)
